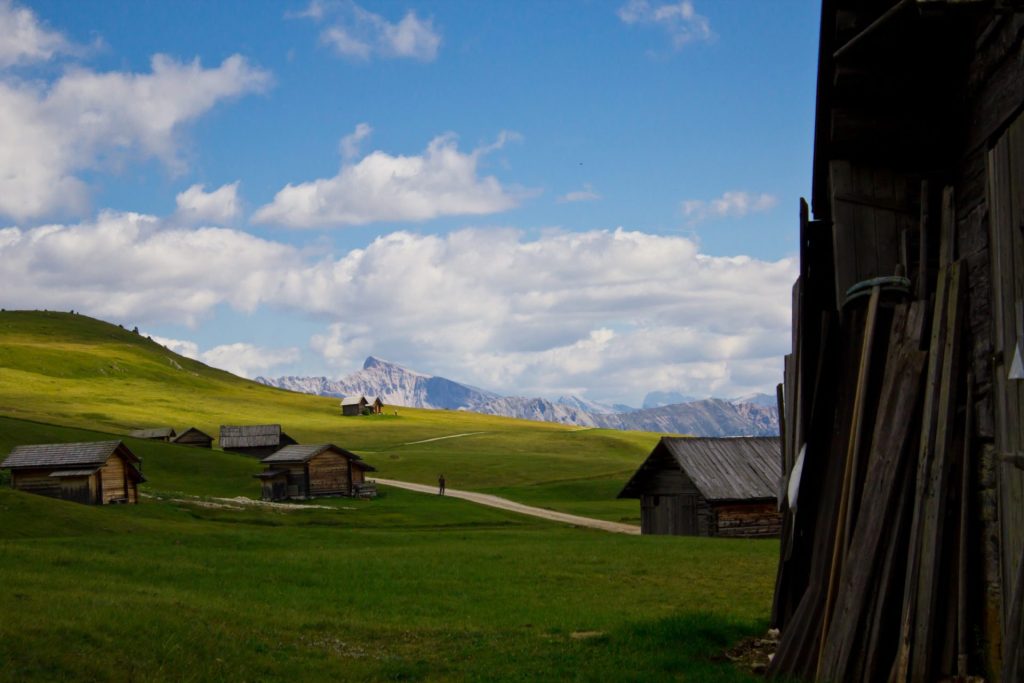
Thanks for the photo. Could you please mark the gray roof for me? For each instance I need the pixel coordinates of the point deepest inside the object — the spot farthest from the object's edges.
(60, 474)
(352, 400)
(305, 453)
(192, 430)
(65, 455)
(250, 436)
(738, 468)
(155, 433)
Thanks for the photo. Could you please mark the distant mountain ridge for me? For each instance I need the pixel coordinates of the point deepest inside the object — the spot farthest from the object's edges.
(754, 415)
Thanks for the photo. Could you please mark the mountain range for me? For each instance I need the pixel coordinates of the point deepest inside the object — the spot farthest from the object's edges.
(753, 415)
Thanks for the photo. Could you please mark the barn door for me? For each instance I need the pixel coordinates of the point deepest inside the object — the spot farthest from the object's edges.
(1006, 223)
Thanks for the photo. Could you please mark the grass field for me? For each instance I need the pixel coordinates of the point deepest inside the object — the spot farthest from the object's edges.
(404, 587)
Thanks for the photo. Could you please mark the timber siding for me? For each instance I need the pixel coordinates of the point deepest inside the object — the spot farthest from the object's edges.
(709, 487)
(311, 471)
(96, 473)
(194, 437)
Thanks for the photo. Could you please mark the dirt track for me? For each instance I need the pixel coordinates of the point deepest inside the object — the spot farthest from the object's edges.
(505, 504)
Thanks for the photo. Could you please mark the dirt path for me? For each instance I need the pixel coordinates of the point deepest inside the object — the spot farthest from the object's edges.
(442, 438)
(506, 504)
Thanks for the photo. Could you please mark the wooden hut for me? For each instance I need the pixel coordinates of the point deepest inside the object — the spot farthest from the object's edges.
(310, 471)
(194, 437)
(94, 473)
(353, 405)
(709, 487)
(375, 405)
(154, 434)
(255, 440)
(903, 401)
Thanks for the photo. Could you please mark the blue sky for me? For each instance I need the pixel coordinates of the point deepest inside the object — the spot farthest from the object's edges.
(596, 198)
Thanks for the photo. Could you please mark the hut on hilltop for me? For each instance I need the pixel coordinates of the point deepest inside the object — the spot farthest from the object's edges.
(94, 473)
(353, 405)
(902, 557)
(255, 440)
(194, 437)
(154, 434)
(709, 487)
(311, 471)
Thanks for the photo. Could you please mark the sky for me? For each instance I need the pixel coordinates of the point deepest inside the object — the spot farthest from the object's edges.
(537, 198)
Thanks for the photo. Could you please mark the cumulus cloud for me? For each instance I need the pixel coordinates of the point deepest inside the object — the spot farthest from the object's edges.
(195, 205)
(587, 194)
(619, 311)
(733, 204)
(182, 347)
(23, 39)
(679, 20)
(84, 120)
(240, 358)
(361, 34)
(380, 187)
(349, 145)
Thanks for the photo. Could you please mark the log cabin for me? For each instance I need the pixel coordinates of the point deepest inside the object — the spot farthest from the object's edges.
(94, 473)
(353, 405)
(311, 471)
(709, 487)
(194, 437)
(375, 405)
(154, 434)
(902, 556)
(256, 440)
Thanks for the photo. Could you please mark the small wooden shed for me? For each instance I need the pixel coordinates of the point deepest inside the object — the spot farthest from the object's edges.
(310, 471)
(154, 434)
(375, 405)
(194, 437)
(94, 473)
(709, 487)
(255, 440)
(353, 405)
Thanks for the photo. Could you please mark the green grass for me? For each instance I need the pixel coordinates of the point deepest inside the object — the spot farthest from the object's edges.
(403, 587)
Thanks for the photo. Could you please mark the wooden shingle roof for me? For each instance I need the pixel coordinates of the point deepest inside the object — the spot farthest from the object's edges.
(250, 436)
(191, 431)
(353, 400)
(68, 456)
(306, 452)
(722, 469)
(154, 433)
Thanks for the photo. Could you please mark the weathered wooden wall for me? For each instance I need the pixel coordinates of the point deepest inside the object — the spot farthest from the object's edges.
(328, 475)
(746, 520)
(36, 481)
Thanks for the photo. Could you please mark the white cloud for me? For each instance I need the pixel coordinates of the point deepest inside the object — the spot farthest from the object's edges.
(87, 120)
(733, 204)
(361, 34)
(680, 20)
(182, 347)
(619, 311)
(220, 206)
(24, 40)
(587, 194)
(349, 146)
(246, 360)
(380, 187)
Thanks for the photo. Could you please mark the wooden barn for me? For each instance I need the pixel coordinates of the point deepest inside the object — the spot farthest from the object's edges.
(709, 487)
(375, 405)
(353, 405)
(94, 473)
(154, 434)
(255, 440)
(902, 556)
(311, 471)
(194, 437)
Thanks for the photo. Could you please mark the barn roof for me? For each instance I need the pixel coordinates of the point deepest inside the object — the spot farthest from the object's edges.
(374, 399)
(68, 456)
(154, 433)
(353, 400)
(736, 468)
(306, 452)
(192, 430)
(250, 436)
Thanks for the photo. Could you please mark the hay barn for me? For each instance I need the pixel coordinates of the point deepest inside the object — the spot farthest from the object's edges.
(94, 473)
(255, 440)
(194, 437)
(375, 405)
(311, 471)
(154, 434)
(353, 405)
(709, 487)
(902, 556)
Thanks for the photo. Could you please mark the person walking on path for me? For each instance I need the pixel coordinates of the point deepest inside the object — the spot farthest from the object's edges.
(440, 484)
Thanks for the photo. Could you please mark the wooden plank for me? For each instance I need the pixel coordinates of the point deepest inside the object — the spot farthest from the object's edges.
(923, 289)
(947, 228)
(961, 569)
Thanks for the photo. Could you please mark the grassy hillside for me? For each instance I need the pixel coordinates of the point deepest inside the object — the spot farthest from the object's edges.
(79, 372)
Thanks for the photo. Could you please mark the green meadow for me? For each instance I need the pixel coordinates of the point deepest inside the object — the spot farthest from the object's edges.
(185, 587)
